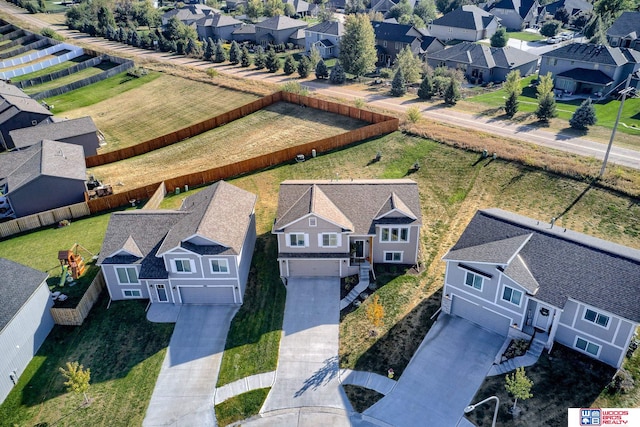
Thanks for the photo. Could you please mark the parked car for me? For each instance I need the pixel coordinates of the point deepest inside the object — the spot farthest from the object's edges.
(565, 36)
(554, 40)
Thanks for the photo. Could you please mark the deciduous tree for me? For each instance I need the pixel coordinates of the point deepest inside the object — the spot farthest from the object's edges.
(410, 64)
(375, 311)
(513, 88)
(546, 99)
(77, 379)
(519, 386)
(357, 46)
(499, 38)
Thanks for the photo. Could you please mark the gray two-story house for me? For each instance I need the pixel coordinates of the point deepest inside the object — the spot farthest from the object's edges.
(625, 31)
(518, 276)
(516, 14)
(199, 254)
(329, 228)
(217, 26)
(469, 23)
(325, 37)
(278, 30)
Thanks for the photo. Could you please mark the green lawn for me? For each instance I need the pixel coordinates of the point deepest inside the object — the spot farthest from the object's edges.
(124, 353)
(525, 36)
(241, 407)
(97, 92)
(52, 69)
(82, 74)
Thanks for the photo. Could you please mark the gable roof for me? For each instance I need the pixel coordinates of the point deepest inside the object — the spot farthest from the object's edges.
(353, 205)
(245, 29)
(469, 17)
(22, 104)
(484, 56)
(9, 89)
(281, 22)
(627, 24)
(562, 263)
(50, 158)
(393, 32)
(600, 54)
(17, 283)
(217, 20)
(571, 6)
(56, 131)
(522, 7)
(586, 75)
(333, 28)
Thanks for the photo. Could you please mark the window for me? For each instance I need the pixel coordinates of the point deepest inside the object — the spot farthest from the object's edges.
(512, 295)
(587, 346)
(183, 265)
(127, 275)
(297, 240)
(312, 222)
(219, 266)
(131, 293)
(597, 318)
(384, 43)
(329, 240)
(473, 280)
(389, 234)
(393, 256)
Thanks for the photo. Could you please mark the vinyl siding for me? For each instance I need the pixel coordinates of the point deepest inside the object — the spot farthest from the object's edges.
(322, 226)
(45, 193)
(114, 286)
(409, 248)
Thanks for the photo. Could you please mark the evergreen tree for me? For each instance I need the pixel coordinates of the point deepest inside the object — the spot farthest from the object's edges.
(314, 56)
(511, 105)
(272, 61)
(304, 67)
(220, 55)
(546, 99)
(337, 75)
(245, 59)
(398, 85)
(513, 88)
(426, 88)
(289, 65)
(499, 38)
(322, 72)
(234, 53)
(358, 46)
(584, 116)
(209, 49)
(259, 60)
(452, 92)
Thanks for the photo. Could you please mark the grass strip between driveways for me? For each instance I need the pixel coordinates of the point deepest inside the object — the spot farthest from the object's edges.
(241, 406)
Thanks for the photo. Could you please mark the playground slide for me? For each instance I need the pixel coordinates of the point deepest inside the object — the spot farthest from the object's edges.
(65, 273)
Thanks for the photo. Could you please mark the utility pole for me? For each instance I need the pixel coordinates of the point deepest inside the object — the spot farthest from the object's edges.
(624, 93)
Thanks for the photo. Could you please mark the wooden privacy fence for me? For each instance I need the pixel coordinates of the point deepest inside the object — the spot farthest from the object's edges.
(42, 219)
(75, 316)
(229, 116)
(157, 198)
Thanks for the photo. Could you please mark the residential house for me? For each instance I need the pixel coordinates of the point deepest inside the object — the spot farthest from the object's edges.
(625, 31)
(47, 175)
(217, 26)
(16, 112)
(278, 30)
(516, 14)
(326, 37)
(330, 228)
(588, 68)
(521, 277)
(189, 14)
(573, 7)
(483, 64)
(81, 131)
(25, 320)
(429, 44)
(468, 23)
(303, 8)
(392, 37)
(244, 33)
(198, 254)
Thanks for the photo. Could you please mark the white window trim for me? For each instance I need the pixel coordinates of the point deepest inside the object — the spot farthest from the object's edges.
(512, 291)
(598, 313)
(132, 291)
(575, 346)
(394, 252)
(174, 266)
(313, 222)
(408, 230)
(474, 274)
(321, 240)
(220, 262)
(288, 240)
(126, 269)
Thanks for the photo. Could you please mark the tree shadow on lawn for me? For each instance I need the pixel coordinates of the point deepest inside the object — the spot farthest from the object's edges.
(396, 348)
(110, 343)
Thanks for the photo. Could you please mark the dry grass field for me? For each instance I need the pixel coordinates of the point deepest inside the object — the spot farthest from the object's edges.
(161, 106)
(276, 127)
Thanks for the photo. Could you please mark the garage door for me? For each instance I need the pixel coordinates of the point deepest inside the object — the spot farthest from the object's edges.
(314, 268)
(477, 314)
(210, 295)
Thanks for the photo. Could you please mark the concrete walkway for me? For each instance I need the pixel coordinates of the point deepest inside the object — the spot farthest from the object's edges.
(244, 385)
(442, 377)
(377, 382)
(184, 390)
(307, 373)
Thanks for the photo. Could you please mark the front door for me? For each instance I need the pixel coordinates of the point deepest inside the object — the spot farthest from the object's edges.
(358, 249)
(162, 293)
(543, 317)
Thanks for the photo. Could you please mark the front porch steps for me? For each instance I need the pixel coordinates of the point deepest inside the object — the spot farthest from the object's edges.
(363, 284)
(530, 358)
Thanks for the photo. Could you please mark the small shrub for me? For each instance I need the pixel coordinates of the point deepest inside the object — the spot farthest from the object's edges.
(358, 102)
(293, 86)
(386, 73)
(413, 114)
(621, 383)
(212, 72)
(337, 75)
(48, 32)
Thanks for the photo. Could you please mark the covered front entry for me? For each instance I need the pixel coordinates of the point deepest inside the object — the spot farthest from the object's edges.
(479, 315)
(314, 267)
(206, 295)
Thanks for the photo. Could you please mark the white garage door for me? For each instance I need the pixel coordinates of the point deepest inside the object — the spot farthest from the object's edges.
(314, 268)
(208, 295)
(479, 315)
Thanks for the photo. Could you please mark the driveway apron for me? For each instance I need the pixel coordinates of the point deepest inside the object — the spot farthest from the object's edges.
(442, 377)
(184, 390)
(307, 373)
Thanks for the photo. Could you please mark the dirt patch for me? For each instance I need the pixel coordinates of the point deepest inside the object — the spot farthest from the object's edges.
(361, 398)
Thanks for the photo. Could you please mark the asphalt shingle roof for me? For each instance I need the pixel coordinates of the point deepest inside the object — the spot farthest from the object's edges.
(587, 76)
(55, 131)
(562, 263)
(484, 56)
(468, 16)
(17, 283)
(605, 55)
(351, 204)
(627, 24)
(333, 28)
(392, 32)
(217, 20)
(22, 104)
(521, 6)
(281, 22)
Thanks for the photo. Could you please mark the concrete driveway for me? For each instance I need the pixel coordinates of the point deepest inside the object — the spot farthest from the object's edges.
(307, 373)
(442, 377)
(184, 390)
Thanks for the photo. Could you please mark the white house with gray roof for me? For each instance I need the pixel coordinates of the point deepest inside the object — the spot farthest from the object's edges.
(330, 228)
(25, 319)
(198, 254)
(520, 277)
(467, 22)
(625, 31)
